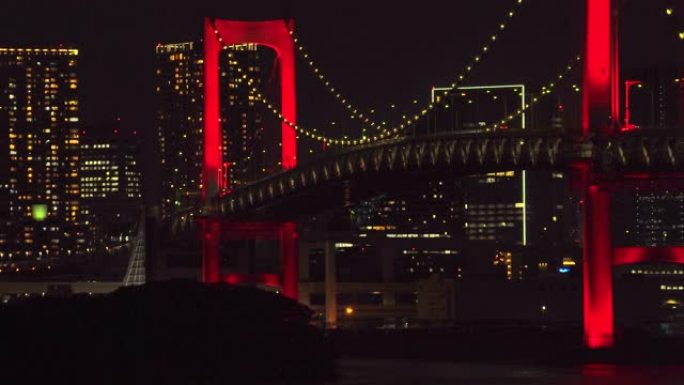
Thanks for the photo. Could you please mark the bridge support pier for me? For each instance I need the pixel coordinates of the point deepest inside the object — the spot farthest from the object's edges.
(330, 285)
(214, 230)
(598, 264)
(288, 259)
(211, 240)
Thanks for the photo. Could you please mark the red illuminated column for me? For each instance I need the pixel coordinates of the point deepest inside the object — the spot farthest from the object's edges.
(598, 263)
(289, 102)
(288, 258)
(211, 239)
(601, 91)
(211, 172)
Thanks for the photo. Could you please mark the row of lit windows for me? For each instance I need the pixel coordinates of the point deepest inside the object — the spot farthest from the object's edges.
(95, 146)
(657, 272)
(489, 225)
(39, 51)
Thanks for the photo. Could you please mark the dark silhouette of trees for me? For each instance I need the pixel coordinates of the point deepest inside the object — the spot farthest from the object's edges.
(173, 332)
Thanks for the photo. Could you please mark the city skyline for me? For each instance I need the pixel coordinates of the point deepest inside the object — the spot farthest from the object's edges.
(117, 42)
(424, 166)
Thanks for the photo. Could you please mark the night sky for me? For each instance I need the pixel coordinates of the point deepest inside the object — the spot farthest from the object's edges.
(378, 52)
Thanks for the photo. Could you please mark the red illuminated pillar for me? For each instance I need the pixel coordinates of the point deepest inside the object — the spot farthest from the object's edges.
(598, 263)
(288, 102)
(211, 172)
(601, 89)
(211, 239)
(288, 258)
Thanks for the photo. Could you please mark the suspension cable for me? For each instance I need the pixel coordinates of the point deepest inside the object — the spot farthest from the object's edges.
(355, 112)
(313, 134)
(385, 134)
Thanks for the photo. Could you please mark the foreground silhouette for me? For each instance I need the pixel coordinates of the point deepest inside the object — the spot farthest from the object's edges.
(173, 332)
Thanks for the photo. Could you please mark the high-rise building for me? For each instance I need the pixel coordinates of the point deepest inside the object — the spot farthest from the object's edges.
(495, 208)
(495, 205)
(511, 208)
(179, 87)
(650, 215)
(111, 183)
(656, 102)
(40, 214)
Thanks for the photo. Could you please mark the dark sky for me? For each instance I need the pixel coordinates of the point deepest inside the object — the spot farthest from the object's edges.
(379, 52)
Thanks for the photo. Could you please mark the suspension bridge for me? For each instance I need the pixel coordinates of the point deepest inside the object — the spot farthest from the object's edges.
(600, 157)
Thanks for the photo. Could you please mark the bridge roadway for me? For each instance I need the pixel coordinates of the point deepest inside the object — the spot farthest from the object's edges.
(394, 163)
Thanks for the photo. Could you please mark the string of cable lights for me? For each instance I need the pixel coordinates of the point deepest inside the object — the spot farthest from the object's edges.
(314, 134)
(673, 13)
(545, 90)
(365, 118)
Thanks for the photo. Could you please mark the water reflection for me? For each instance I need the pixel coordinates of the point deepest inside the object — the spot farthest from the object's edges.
(398, 372)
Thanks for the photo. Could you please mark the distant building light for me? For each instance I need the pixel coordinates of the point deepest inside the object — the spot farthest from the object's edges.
(39, 212)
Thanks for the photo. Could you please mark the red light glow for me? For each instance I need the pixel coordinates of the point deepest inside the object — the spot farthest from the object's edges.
(272, 33)
(599, 69)
(598, 263)
(215, 230)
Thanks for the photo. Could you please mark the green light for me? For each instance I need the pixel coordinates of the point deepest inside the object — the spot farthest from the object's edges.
(39, 212)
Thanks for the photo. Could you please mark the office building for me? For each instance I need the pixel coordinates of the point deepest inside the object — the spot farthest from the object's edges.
(111, 183)
(40, 211)
(180, 108)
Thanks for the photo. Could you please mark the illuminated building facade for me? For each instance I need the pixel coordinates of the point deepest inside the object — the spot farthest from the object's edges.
(111, 183)
(511, 208)
(649, 217)
(495, 208)
(40, 213)
(657, 101)
(412, 222)
(495, 205)
(179, 88)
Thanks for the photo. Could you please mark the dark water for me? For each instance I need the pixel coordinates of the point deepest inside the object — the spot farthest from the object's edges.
(397, 372)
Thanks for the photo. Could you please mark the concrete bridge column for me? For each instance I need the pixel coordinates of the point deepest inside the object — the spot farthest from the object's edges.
(598, 264)
(330, 285)
(288, 258)
(211, 240)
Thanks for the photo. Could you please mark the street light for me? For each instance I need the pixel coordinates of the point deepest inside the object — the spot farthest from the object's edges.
(628, 84)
